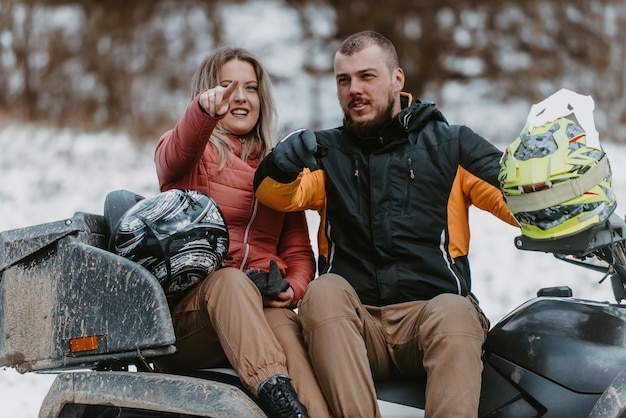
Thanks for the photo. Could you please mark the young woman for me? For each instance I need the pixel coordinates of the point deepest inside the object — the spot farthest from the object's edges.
(215, 148)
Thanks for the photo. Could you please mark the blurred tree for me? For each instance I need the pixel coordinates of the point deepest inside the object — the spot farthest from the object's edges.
(524, 43)
(92, 64)
(95, 64)
(524, 48)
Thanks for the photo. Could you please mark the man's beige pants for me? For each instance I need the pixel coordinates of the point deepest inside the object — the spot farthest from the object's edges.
(350, 345)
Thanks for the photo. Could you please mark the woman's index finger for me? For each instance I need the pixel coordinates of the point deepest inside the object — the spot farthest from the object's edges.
(228, 91)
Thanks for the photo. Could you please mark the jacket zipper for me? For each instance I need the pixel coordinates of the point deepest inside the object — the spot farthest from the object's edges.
(356, 182)
(407, 190)
(246, 234)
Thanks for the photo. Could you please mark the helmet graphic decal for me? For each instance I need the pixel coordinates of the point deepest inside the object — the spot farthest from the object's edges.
(555, 176)
(179, 236)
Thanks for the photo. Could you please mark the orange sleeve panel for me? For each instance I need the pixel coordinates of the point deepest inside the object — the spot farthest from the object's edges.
(307, 191)
(468, 190)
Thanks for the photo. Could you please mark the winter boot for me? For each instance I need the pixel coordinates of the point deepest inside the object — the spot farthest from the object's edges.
(278, 398)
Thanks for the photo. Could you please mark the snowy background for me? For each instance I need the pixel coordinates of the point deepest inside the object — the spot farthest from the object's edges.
(48, 174)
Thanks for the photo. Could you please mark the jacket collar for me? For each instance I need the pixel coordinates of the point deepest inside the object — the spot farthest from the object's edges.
(418, 113)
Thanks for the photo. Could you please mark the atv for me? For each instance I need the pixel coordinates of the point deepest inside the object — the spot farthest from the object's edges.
(69, 305)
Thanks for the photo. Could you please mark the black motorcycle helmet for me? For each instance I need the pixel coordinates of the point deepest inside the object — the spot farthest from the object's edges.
(180, 236)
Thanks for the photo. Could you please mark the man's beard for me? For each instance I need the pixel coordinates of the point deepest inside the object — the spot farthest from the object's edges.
(372, 126)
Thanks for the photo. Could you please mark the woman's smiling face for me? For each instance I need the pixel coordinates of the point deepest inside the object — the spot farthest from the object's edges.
(244, 110)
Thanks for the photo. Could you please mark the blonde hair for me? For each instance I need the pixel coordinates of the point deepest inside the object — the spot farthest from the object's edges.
(259, 140)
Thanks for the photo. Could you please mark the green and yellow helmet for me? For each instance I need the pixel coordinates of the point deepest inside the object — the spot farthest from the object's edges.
(555, 176)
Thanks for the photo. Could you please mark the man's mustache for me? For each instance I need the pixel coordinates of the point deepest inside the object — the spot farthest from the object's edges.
(358, 101)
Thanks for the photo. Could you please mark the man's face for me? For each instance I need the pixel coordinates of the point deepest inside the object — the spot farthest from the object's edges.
(367, 89)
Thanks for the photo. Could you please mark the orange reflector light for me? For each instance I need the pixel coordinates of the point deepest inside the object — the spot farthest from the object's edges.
(84, 344)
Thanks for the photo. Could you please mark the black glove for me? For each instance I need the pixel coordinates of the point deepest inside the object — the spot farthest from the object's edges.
(270, 284)
(296, 151)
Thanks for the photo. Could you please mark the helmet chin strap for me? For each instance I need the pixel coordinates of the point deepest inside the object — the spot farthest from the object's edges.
(542, 199)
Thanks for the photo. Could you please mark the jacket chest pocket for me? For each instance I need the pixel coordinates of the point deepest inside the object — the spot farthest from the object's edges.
(420, 186)
(395, 183)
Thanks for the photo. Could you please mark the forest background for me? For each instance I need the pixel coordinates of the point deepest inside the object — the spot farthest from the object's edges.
(126, 65)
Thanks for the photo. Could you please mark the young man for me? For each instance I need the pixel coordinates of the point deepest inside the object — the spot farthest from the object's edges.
(390, 300)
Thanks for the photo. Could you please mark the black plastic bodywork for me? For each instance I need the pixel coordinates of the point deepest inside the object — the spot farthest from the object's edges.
(553, 357)
(57, 283)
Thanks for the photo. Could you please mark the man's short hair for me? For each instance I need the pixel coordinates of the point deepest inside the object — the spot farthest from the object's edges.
(361, 40)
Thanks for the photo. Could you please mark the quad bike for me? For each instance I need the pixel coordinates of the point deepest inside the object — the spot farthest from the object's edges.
(69, 305)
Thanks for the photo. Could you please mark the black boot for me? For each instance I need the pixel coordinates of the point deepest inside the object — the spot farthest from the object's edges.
(278, 398)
